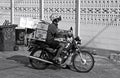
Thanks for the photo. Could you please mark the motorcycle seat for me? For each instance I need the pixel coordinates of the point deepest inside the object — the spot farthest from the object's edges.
(51, 50)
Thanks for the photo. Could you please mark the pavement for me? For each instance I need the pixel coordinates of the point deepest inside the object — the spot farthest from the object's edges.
(15, 64)
(23, 53)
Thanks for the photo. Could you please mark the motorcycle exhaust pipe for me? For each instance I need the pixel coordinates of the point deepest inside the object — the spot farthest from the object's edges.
(32, 57)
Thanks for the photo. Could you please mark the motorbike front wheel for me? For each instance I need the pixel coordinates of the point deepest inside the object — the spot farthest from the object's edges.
(36, 63)
(84, 64)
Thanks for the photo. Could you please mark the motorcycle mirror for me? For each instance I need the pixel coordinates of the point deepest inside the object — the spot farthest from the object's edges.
(71, 28)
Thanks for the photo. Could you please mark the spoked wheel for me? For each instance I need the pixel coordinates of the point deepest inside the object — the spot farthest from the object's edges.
(36, 63)
(85, 64)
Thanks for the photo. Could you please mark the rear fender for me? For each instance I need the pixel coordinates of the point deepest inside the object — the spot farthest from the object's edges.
(31, 48)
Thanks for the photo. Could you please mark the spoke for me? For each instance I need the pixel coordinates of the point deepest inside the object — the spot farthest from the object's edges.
(83, 66)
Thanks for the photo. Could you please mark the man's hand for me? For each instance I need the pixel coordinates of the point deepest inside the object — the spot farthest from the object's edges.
(60, 30)
(60, 39)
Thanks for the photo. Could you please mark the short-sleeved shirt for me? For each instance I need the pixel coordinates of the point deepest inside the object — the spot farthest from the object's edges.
(52, 32)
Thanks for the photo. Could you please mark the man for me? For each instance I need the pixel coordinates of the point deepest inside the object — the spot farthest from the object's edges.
(52, 33)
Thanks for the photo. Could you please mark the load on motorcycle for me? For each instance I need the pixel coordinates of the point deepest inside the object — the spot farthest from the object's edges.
(44, 53)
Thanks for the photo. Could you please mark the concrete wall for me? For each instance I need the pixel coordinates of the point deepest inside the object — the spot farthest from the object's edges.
(98, 29)
(100, 24)
(100, 36)
(31, 8)
(23, 8)
(4, 10)
(65, 8)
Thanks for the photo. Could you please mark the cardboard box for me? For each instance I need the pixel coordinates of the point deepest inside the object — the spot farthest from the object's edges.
(40, 32)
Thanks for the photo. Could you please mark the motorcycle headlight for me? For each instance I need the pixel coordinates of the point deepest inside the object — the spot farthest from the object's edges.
(77, 38)
(79, 42)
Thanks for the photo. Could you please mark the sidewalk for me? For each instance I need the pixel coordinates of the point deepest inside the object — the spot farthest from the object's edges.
(15, 64)
(23, 52)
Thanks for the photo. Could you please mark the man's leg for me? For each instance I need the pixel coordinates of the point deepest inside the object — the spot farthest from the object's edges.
(58, 59)
(61, 47)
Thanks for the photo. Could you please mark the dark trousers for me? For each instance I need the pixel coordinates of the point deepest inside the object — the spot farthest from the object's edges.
(57, 45)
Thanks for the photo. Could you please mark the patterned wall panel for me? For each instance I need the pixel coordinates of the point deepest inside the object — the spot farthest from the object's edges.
(65, 8)
(23, 8)
(4, 10)
(26, 8)
(31, 8)
(102, 11)
(101, 20)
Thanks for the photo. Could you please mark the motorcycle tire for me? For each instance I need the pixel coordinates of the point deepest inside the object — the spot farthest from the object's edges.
(82, 67)
(36, 63)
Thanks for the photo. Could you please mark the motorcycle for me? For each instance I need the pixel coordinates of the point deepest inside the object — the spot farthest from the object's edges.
(42, 54)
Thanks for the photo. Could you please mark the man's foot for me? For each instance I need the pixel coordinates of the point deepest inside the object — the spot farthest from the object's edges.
(58, 60)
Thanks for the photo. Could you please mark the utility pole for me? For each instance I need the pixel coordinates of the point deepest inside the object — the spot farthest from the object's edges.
(77, 18)
(12, 11)
(41, 9)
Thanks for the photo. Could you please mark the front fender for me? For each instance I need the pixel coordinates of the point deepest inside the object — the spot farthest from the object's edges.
(84, 50)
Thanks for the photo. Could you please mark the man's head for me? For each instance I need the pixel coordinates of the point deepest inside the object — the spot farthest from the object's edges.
(55, 18)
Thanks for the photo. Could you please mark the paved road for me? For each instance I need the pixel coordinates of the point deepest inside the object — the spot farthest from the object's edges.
(17, 66)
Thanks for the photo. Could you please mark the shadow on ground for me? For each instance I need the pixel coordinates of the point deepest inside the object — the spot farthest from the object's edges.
(25, 61)
(20, 59)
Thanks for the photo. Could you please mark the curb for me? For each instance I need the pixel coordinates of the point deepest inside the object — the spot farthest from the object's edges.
(102, 57)
(25, 53)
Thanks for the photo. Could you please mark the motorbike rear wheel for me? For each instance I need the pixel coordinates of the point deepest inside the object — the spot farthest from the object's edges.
(83, 65)
(36, 63)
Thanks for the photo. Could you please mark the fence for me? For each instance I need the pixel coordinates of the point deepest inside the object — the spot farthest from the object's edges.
(99, 22)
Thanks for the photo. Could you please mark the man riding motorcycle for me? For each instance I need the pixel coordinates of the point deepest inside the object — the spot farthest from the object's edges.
(52, 33)
(63, 53)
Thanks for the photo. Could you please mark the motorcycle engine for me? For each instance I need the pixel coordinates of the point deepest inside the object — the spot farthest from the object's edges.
(64, 54)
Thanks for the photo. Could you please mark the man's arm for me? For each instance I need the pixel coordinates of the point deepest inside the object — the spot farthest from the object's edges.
(53, 29)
